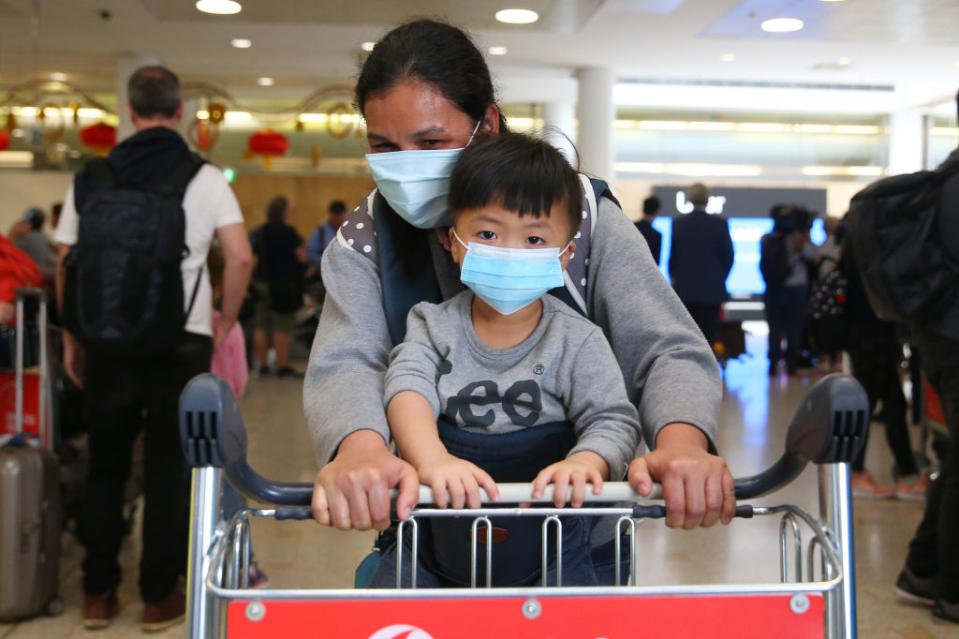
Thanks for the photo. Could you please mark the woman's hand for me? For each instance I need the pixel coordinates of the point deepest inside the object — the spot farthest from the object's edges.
(697, 486)
(577, 470)
(353, 490)
(456, 482)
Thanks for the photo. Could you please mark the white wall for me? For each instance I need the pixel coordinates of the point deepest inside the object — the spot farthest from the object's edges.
(23, 188)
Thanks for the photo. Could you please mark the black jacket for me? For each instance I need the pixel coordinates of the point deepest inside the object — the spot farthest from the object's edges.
(701, 258)
(654, 239)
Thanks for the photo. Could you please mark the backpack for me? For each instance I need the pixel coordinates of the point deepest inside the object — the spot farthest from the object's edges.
(826, 311)
(123, 287)
(908, 273)
(774, 258)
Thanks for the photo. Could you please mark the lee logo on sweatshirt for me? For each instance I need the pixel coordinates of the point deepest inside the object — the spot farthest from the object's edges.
(522, 403)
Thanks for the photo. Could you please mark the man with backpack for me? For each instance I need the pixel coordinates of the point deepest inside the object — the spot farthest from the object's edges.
(783, 255)
(905, 230)
(136, 304)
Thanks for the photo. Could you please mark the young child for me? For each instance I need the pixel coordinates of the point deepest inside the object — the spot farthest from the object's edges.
(504, 383)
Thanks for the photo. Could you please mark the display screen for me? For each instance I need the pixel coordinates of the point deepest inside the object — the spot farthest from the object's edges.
(744, 279)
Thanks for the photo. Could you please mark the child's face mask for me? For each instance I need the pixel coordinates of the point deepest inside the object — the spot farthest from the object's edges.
(510, 279)
(415, 183)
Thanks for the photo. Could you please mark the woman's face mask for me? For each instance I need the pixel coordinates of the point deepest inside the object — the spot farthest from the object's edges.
(510, 279)
(415, 183)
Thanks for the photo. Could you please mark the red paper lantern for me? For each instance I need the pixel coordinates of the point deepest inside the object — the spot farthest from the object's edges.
(100, 137)
(268, 142)
(4, 140)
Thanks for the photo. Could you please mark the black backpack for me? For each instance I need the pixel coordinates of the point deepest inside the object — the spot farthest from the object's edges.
(123, 289)
(827, 314)
(907, 271)
(774, 258)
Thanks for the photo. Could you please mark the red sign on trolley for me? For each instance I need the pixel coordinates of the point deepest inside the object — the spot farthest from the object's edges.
(740, 616)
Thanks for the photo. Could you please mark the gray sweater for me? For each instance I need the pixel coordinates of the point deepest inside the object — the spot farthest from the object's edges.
(564, 371)
(670, 372)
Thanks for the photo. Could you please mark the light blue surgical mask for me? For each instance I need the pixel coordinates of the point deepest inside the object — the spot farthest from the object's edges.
(415, 183)
(510, 279)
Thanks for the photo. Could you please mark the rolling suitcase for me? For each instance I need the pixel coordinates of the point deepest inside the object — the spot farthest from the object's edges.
(29, 504)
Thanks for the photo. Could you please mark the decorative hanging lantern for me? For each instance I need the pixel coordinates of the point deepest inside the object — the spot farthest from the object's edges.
(269, 144)
(203, 134)
(4, 140)
(100, 137)
(315, 155)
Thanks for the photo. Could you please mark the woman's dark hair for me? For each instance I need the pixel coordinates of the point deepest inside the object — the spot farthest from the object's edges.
(520, 173)
(337, 207)
(436, 53)
(276, 209)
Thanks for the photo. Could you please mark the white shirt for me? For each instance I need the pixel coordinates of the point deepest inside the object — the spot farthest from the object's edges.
(209, 204)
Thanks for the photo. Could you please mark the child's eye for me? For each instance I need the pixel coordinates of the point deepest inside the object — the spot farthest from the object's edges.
(487, 235)
(535, 240)
(384, 147)
(430, 143)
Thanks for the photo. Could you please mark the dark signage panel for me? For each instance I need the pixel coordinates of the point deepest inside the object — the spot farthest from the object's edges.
(740, 201)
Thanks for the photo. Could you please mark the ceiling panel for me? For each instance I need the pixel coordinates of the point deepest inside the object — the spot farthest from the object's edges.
(564, 16)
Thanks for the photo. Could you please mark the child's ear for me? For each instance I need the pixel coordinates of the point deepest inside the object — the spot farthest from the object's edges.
(568, 255)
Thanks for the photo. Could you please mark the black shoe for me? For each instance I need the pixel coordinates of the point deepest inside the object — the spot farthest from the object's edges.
(264, 371)
(286, 371)
(946, 610)
(921, 590)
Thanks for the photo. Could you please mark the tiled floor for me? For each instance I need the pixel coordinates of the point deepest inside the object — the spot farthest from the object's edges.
(755, 414)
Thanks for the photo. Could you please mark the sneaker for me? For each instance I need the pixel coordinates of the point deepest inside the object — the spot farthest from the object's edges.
(99, 610)
(946, 610)
(920, 590)
(912, 487)
(863, 485)
(287, 371)
(163, 614)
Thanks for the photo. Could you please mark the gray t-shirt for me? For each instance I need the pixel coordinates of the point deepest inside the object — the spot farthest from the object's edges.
(39, 247)
(565, 371)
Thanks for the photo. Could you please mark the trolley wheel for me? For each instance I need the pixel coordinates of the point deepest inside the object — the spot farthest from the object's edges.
(54, 607)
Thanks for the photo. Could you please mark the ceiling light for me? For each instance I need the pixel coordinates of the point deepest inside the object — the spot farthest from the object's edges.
(728, 57)
(663, 125)
(844, 61)
(219, 7)
(238, 116)
(368, 46)
(782, 25)
(956, 63)
(265, 81)
(712, 126)
(58, 77)
(761, 127)
(517, 16)
(241, 43)
(498, 50)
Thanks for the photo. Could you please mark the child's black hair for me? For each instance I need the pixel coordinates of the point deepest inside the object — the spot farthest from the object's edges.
(520, 173)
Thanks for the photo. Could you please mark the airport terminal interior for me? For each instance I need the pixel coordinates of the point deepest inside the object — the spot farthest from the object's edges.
(801, 103)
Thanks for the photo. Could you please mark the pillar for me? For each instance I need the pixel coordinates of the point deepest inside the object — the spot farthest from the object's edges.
(596, 113)
(559, 119)
(907, 142)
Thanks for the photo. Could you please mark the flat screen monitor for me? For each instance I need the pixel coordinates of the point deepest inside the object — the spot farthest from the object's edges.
(744, 279)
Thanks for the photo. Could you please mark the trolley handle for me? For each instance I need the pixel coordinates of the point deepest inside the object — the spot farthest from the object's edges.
(830, 426)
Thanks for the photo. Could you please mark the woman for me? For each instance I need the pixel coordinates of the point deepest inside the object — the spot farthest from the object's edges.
(426, 91)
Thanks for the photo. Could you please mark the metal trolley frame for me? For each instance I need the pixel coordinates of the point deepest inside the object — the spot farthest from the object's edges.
(829, 429)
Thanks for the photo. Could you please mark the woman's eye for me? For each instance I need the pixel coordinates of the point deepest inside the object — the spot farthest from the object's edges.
(431, 143)
(384, 147)
(535, 240)
(487, 235)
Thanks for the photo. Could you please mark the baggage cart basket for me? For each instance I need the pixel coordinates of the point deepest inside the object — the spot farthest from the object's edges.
(812, 599)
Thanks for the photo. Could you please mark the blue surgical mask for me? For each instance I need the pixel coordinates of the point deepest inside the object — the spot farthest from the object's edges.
(510, 279)
(415, 183)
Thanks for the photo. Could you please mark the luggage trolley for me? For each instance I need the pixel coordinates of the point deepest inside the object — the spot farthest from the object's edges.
(829, 428)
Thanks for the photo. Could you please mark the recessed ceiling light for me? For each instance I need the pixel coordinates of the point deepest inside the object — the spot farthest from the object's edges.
(265, 81)
(498, 50)
(782, 25)
(219, 7)
(844, 61)
(58, 77)
(956, 63)
(517, 16)
(728, 57)
(368, 46)
(241, 43)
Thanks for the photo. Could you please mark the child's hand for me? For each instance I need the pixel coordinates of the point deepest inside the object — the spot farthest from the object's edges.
(577, 469)
(459, 479)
